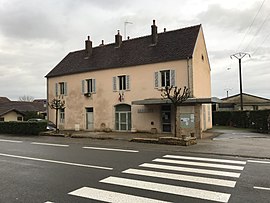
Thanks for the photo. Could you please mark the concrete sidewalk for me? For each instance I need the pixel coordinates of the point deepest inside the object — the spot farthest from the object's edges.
(220, 141)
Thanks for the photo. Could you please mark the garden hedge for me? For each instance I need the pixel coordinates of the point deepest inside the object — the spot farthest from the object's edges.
(25, 128)
(259, 120)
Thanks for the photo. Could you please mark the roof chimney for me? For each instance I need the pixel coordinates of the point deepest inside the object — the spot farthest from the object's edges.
(118, 39)
(154, 33)
(88, 46)
(102, 43)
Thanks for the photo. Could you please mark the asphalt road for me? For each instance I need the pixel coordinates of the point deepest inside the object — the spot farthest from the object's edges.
(50, 169)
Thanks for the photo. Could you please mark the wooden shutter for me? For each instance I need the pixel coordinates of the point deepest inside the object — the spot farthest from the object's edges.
(83, 83)
(172, 76)
(94, 85)
(114, 84)
(127, 82)
(156, 80)
(56, 89)
(65, 88)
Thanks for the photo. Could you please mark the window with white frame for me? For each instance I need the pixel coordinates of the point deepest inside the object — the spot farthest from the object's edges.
(61, 88)
(62, 115)
(88, 86)
(121, 82)
(164, 78)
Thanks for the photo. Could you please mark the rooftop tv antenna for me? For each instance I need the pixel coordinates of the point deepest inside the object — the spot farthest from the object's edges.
(125, 28)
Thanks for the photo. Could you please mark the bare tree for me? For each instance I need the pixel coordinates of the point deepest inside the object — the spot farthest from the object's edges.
(177, 97)
(56, 104)
(26, 98)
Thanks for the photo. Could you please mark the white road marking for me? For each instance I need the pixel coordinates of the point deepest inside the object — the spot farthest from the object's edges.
(54, 161)
(188, 178)
(192, 163)
(108, 196)
(49, 144)
(171, 189)
(48, 202)
(192, 170)
(205, 159)
(13, 141)
(261, 188)
(111, 149)
(260, 162)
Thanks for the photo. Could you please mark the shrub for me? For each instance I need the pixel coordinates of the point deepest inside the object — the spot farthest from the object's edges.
(259, 120)
(27, 128)
(32, 114)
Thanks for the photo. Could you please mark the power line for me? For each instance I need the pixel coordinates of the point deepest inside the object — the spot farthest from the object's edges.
(257, 31)
(266, 37)
(249, 28)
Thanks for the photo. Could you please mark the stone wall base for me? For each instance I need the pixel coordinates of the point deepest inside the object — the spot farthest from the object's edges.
(187, 141)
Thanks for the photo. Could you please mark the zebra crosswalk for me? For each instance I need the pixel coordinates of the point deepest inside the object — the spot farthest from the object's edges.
(192, 177)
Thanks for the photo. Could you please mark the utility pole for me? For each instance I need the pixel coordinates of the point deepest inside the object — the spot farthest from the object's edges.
(125, 28)
(239, 56)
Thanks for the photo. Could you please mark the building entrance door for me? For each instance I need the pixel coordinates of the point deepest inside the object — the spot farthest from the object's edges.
(90, 118)
(123, 117)
(166, 118)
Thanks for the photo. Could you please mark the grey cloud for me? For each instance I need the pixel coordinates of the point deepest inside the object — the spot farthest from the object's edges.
(220, 54)
(36, 34)
(35, 19)
(225, 18)
(20, 22)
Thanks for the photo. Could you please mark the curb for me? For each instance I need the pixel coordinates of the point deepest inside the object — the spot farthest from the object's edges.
(168, 140)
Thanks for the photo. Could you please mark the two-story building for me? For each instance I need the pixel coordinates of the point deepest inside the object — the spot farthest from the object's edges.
(117, 86)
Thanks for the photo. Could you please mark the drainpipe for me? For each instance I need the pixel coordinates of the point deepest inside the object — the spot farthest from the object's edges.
(47, 99)
(189, 75)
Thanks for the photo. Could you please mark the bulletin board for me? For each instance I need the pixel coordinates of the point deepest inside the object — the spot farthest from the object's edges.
(187, 120)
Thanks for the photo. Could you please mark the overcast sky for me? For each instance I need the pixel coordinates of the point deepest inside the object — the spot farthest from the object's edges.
(35, 35)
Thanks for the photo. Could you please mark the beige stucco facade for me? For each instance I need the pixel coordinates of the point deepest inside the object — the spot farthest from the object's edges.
(12, 116)
(193, 73)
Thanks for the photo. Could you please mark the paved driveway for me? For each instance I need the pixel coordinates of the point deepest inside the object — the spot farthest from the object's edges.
(237, 134)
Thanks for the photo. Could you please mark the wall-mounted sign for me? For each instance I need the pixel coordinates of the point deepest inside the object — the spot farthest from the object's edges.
(145, 110)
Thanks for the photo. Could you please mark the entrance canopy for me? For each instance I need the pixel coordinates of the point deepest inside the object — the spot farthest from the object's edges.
(189, 101)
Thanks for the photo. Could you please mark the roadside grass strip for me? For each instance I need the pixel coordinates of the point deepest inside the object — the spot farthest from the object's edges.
(49, 144)
(170, 189)
(111, 149)
(56, 162)
(203, 164)
(178, 177)
(205, 159)
(191, 170)
(108, 196)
